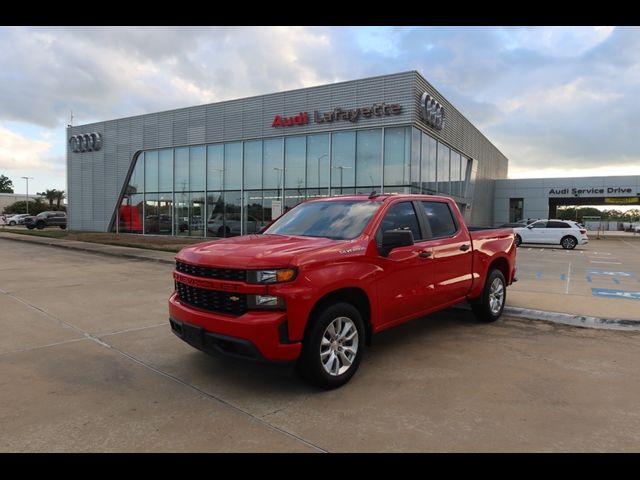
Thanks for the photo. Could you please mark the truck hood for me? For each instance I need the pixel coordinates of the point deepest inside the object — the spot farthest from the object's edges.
(253, 251)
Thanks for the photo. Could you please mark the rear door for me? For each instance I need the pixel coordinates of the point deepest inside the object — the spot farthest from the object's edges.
(558, 230)
(452, 255)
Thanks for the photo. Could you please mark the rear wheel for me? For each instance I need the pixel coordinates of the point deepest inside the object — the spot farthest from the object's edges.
(332, 348)
(568, 242)
(518, 240)
(489, 306)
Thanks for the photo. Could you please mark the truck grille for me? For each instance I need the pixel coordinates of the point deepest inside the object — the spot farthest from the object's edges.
(221, 302)
(209, 272)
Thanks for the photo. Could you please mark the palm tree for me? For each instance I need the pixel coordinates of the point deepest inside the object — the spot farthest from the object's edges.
(59, 197)
(50, 195)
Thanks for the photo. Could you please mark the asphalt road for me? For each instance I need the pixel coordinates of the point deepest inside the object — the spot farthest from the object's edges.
(88, 363)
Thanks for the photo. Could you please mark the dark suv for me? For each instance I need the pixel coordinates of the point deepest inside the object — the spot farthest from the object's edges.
(47, 219)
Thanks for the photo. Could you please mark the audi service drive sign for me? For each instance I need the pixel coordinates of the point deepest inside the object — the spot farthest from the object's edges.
(85, 142)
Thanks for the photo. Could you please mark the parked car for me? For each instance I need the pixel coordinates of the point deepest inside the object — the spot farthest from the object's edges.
(228, 225)
(47, 219)
(330, 273)
(553, 232)
(17, 219)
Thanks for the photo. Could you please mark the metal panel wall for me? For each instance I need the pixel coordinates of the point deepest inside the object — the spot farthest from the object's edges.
(95, 179)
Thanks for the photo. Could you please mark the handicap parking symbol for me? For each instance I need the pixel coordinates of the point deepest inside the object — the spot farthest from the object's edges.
(607, 292)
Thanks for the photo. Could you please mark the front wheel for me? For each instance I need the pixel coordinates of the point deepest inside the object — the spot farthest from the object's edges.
(568, 242)
(489, 306)
(30, 227)
(40, 225)
(63, 227)
(12, 223)
(332, 348)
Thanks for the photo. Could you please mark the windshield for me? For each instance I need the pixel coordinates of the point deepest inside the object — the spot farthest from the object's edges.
(337, 220)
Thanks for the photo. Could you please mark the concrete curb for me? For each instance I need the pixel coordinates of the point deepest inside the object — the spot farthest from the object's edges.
(574, 320)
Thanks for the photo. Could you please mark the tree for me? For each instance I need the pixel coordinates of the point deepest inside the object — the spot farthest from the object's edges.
(6, 185)
(50, 195)
(35, 207)
(59, 197)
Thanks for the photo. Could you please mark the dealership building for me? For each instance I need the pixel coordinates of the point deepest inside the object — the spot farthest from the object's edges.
(230, 167)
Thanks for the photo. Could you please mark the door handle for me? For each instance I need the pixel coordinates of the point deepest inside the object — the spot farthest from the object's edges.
(424, 254)
(464, 247)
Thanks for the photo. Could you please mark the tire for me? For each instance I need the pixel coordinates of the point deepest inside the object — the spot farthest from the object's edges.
(569, 242)
(12, 223)
(319, 364)
(518, 240)
(485, 307)
(40, 225)
(63, 227)
(31, 227)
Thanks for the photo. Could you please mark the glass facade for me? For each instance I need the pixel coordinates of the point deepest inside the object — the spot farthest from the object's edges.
(229, 189)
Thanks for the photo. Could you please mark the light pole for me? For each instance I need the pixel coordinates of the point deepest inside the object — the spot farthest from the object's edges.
(320, 158)
(27, 179)
(341, 167)
(280, 176)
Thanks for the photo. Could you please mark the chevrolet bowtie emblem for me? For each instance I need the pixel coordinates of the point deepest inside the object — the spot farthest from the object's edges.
(234, 298)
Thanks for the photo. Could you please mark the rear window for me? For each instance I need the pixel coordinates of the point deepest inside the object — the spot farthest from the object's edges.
(555, 224)
(440, 219)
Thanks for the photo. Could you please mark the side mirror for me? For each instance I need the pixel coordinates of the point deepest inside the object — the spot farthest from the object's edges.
(529, 227)
(395, 238)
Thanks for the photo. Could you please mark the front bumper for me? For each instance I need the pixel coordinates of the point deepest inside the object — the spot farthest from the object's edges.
(256, 335)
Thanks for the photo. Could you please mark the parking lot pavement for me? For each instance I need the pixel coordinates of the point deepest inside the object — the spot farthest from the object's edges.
(601, 279)
(88, 363)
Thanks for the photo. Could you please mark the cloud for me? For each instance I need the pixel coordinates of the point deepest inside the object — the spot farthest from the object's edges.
(17, 151)
(545, 96)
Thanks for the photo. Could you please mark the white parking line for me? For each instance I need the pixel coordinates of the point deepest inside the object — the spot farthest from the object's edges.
(612, 263)
(568, 278)
(631, 245)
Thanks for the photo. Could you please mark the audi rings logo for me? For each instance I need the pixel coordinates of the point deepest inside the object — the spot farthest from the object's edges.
(432, 111)
(86, 142)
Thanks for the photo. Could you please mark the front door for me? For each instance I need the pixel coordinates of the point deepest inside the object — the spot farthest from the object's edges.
(406, 283)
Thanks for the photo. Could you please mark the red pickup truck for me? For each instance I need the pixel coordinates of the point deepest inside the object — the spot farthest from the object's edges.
(329, 273)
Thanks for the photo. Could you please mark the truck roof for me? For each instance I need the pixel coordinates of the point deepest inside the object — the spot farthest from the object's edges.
(380, 197)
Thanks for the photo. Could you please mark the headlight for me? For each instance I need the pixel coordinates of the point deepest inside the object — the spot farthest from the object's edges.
(271, 276)
(265, 301)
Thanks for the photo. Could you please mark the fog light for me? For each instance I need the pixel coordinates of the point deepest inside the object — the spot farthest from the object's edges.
(265, 301)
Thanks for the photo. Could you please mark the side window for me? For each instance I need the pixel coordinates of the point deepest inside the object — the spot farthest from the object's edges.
(401, 216)
(539, 225)
(440, 219)
(553, 224)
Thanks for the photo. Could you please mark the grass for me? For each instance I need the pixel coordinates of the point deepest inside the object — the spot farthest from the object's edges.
(150, 242)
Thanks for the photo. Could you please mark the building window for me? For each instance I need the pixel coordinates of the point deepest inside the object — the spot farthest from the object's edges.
(368, 159)
(318, 161)
(397, 156)
(253, 164)
(165, 170)
(215, 167)
(455, 173)
(151, 171)
(343, 161)
(416, 141)
(428, 164)
(273, 164)
(442, 171)
(197, 168)
(516, 209)
(181, 170)
(233, 166)
(295, 153)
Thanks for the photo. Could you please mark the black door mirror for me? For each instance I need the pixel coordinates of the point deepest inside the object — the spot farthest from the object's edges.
(395, 238)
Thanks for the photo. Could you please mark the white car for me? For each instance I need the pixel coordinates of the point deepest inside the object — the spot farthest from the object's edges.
(17, 219)
(552, 232)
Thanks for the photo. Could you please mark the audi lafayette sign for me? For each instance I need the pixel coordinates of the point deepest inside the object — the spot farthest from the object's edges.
(337, 114)
(85, 142)
(432, 112)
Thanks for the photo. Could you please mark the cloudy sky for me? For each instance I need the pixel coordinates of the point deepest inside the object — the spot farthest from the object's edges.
(556, 101)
